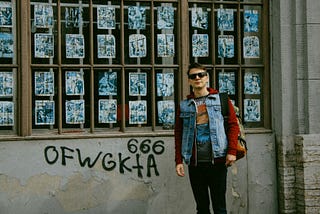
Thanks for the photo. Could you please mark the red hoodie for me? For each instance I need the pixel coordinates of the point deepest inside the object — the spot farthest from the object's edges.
(232, 133)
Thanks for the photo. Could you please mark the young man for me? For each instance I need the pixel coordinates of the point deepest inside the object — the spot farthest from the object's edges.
(201, 142)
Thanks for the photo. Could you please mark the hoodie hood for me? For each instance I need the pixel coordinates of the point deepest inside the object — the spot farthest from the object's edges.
(211, 91)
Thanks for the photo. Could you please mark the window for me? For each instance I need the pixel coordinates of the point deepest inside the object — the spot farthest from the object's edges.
(106, 66)
(230, 38)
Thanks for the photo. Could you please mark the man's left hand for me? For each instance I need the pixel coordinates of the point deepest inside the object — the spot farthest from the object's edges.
(230, 159)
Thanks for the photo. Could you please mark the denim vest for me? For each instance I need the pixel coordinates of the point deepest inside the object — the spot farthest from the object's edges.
(218, 136)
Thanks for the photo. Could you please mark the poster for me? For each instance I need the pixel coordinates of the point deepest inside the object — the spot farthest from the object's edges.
(165, 84)
(44, 83)
(225, 19)
(251, 47)
(137, 46)
(136, 17)
(106, 46)
(166, 112)
(107, 83)
(252, 110)
(73, 17)
(251, 20)
(138, 112)
(200, 45)
(6, 84)
(6, 113)
(137, 84)
(74, 83)
(227, 83)
(252, 83)
(44, 112)
(225, 46)
(6, 45)
(75, 112)
(165, 45)
(43, 45)
(199, 18)
(107, 111)
(74, 46)
(43, 16)
(106, 17)
(5, 14)
(165, 17)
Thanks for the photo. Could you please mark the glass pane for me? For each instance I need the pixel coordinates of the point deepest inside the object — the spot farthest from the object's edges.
(227, 81)
(76, 98)
(251, 33)
(138, 97)
(165, 33)
(107, 105)
(106, 30)
(165, 97)
(200, 16)
(137, 33)
(226, 34)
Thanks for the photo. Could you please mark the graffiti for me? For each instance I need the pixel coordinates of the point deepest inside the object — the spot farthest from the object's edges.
(141, 159)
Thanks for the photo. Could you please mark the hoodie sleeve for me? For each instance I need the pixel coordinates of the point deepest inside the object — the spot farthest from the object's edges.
(178, 138)
(233, 130)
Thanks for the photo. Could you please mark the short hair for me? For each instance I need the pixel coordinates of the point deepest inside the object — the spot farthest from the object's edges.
(196, 65)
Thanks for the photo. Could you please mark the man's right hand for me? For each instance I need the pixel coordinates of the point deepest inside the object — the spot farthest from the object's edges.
(180, 169)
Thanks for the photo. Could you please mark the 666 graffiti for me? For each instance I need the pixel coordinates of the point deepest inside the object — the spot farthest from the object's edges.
(132, 163)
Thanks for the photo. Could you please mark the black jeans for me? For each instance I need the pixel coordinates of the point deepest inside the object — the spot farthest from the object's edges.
(214, 177)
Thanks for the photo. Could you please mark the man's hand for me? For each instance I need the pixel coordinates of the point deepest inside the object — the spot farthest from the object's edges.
(230, 159)
(180, 170)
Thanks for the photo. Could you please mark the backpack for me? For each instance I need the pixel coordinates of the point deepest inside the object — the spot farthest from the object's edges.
(242, 143)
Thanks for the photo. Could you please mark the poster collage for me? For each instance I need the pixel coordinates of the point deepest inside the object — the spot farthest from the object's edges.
(6, 51)
(225, 22)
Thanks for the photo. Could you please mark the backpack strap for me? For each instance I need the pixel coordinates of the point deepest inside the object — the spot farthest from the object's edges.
(224, 108)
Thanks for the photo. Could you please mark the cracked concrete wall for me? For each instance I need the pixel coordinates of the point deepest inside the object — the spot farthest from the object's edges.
(92, 176)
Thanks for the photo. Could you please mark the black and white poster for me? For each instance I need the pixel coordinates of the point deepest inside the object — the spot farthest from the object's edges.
(252, 83)
(44, 83)
(252, 110)
(199, 18)
(166, 112)
(225, 46)
(106, 17)
(6, 45)
(6, 84)
(6, 113)
(75, 112)
(138, 112)
(74, 46)
(165, 17)
(43, 45)
(136, 17)
(137, 84)
(73, 17)
(225, 19)
(165, 45)
(251, 47)
(107, 111)
(44, 112)
(5, 14)
(107, 83)
(106, 46)
(200, 45)
(227, 82)
(43, 16)
(74, 83)
(251, 21)
(165, 84)
(137, 46)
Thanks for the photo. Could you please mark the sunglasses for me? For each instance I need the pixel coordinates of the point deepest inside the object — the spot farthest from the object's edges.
(200, 75)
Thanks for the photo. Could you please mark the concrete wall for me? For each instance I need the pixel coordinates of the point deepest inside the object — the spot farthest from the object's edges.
(104, 175)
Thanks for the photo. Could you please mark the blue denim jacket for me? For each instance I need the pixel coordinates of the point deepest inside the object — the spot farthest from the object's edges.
(218, 136)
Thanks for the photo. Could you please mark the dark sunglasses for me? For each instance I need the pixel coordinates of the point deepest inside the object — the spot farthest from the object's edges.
(200, 75)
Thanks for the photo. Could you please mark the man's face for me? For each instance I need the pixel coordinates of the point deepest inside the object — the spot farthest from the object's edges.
(198, 78)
